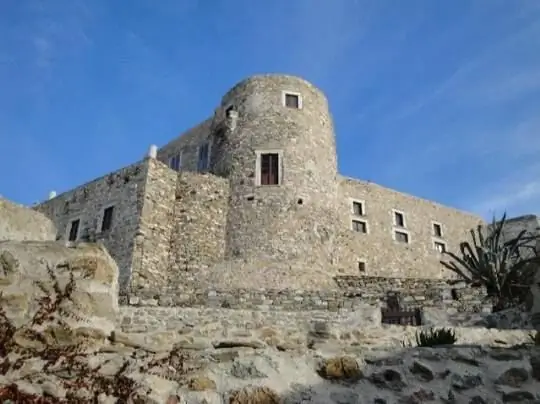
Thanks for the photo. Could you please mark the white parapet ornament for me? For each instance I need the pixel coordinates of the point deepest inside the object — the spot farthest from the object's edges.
(152, 151)
(52, 194)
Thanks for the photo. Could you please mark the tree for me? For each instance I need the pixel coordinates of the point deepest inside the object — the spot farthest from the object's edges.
(504, 265)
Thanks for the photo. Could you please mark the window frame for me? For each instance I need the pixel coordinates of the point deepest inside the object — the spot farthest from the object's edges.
(177, 156)
(284, 95)
(258, 167)
(102, 218)
(396, 212)
(433, 232)
(362, 204)
(364, 222)
(400, 230)
(69, 226)
(208, 144)
(439, 242)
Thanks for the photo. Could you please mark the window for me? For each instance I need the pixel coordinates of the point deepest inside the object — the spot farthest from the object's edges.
(399, 219)
(358, 208)
(361, 266)
(270, 169)
(106, 222)
(74, 230)
(292, 100)
(175, 162)
(359, 226)
(401, 236)
(202, 163)
(440, 247)
(437, 230)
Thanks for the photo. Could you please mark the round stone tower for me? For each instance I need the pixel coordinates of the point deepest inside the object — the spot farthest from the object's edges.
(280, 157)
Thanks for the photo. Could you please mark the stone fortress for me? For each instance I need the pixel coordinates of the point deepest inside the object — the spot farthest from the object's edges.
(251, 199)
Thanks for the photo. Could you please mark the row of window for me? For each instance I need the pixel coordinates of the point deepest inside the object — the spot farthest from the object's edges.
(400, 231)
(106, 224)
(269, 163)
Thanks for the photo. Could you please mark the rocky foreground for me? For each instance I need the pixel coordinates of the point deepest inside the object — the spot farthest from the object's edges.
(59, 343)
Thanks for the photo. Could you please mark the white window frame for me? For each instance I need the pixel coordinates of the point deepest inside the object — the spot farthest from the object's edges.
(258, 156)
(209, 143)
(102, 214)
(439, 241)
(433, 224)
(284, 94)
(361, 202)
(355, 219)
(394, 211)
(68, 228)
(401, 230)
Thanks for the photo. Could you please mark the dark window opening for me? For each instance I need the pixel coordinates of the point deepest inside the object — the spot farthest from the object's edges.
(361, 266)
(74, 230)
(270, 169)
(358, 208)
(402, 237)
(292, 101)
(202, 163)
(300, 201)
(106, 223)
(437, 230)
(455, 294)
(174, 162)
(359, 226)
(399, 219)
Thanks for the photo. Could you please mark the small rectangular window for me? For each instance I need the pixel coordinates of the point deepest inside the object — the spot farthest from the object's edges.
(361, 266)
(358, 208)
(437, 230)
(440, 247)
(175, 162)
(106, 223)
(270, 169)
(74, 230)
(399, 220)
(292, 100)
(202, 163)
(359, 226)
(402, 237)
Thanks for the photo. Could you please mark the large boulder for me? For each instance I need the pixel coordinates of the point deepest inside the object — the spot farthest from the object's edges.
(33, 270)
(19, 223)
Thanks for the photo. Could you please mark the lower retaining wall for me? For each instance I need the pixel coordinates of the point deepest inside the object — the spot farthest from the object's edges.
(351, 293)
(146, 319)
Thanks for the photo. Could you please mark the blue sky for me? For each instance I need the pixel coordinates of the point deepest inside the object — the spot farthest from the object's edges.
(440, 99)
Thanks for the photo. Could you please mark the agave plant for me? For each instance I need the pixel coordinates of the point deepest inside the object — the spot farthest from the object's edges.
(505, 268)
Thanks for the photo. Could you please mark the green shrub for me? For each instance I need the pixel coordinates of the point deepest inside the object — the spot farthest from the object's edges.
(433, 337)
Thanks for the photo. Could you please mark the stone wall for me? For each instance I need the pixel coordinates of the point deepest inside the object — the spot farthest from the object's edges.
(20, 223)
(123, 189)
(200, 219)
(152, 252)
(355, 293)
(382, 254)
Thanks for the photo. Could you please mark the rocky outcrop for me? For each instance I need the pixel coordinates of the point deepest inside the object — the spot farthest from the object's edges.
(19, 223)
(58, 342)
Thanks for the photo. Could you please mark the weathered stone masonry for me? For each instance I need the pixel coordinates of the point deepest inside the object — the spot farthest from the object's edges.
(199, 218)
